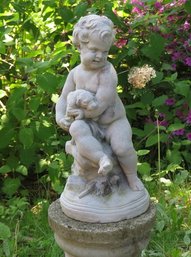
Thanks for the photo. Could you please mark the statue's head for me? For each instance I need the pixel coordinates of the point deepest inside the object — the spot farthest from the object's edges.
(93, 25)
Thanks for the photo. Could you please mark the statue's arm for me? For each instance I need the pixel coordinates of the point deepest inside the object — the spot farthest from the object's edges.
(106, 94)
(61, 104)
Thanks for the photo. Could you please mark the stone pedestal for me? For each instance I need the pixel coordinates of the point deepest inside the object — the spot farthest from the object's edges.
(125, 238)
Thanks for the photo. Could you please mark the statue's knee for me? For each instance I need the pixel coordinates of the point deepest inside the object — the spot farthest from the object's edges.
(124, 151)
(79, 128)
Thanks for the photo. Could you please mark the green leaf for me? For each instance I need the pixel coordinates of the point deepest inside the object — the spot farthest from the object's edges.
(44, 132)
(27, 155)
(182, 88)
(17, 97)
(175, 126)
(48, 82)
(187, 7)
(26, 137)
(147, 98)
(135, 105)
(181, 177)
(5, 169)
(22, 170)
(2, 93)
(53, 170)
(151, 140)
(159, 100)
(155, 47)
(6, 247)
(160, 225)
(158, 78)
(174, 156)
(138, 132)
(80, 9)
(6, 136)
(120, 56)
(2, 48)
(144, 168)
(186, 239)
(111, 15)
(34, 103)
(57, 186)
(19, 113)
(66, 14)
(12, 161)
(5, 231)
(24, 61)
(143, 152)
(149, 128)
(10, 186)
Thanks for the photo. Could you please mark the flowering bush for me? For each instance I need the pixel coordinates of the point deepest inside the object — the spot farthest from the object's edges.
(159, 31)
(138, 77)
(156, 34)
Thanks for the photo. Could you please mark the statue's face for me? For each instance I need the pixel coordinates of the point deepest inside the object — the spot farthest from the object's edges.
(94, 53)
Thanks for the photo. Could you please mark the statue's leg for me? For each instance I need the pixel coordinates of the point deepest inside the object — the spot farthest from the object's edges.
(119, 135)
(88, 146)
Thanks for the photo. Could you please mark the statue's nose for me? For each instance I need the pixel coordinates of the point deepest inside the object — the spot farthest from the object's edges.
(99, 55)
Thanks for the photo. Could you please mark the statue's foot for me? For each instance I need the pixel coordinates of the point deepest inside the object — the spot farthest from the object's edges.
(105, 165)
(134, 182)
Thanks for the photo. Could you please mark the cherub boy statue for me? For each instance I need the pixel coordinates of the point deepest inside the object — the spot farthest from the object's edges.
(93, 36)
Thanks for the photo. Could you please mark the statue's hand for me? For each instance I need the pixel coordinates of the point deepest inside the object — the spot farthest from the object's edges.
(65, 123)
(77, 114)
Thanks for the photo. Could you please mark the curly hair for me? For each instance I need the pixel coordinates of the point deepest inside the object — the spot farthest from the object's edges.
(89, 24)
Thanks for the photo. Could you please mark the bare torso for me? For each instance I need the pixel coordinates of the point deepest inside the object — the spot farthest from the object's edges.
(95, 81)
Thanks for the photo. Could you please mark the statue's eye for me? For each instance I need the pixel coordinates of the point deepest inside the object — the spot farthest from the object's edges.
(93, 50)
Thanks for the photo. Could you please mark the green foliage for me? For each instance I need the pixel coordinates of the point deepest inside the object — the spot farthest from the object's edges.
(25, 231)
(36, 54)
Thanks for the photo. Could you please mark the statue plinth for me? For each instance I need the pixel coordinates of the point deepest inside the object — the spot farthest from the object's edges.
(125, 238)
(122, 203)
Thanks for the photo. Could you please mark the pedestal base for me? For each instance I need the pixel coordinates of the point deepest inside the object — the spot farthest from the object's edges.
(126, 238)
(122, 203)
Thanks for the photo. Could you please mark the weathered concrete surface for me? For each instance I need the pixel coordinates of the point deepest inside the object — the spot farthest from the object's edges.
(126, 238)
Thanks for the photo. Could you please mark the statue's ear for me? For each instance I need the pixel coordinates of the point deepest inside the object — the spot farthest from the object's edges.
(78, 48)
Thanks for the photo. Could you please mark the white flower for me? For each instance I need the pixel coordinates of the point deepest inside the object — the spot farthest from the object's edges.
(139, 76)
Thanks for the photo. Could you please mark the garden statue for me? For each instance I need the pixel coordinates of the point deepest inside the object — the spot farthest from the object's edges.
(104, 185)
(104, 209)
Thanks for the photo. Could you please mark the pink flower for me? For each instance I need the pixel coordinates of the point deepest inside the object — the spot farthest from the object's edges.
(157, 5)
(121, 42)
(176, 56)
(188, 118)
(170, 101)
(137, 10)
(161, 120)
(173, 66)
(188, 135)
(163, 123)
(137, 2)
(188, 61)
(186, 25)
(180, 114)
(178, 132)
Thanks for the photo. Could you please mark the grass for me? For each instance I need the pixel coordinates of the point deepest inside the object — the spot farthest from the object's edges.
(171, 236)
(31, 236)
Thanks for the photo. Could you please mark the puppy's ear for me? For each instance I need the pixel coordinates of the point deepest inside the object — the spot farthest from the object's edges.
(78, 100)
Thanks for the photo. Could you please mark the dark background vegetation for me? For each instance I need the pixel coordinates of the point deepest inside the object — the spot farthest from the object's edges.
(36, 56)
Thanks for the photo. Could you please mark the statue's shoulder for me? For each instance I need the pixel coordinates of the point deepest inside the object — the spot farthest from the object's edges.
(110, 72)
(73, 73)
(109, 69)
